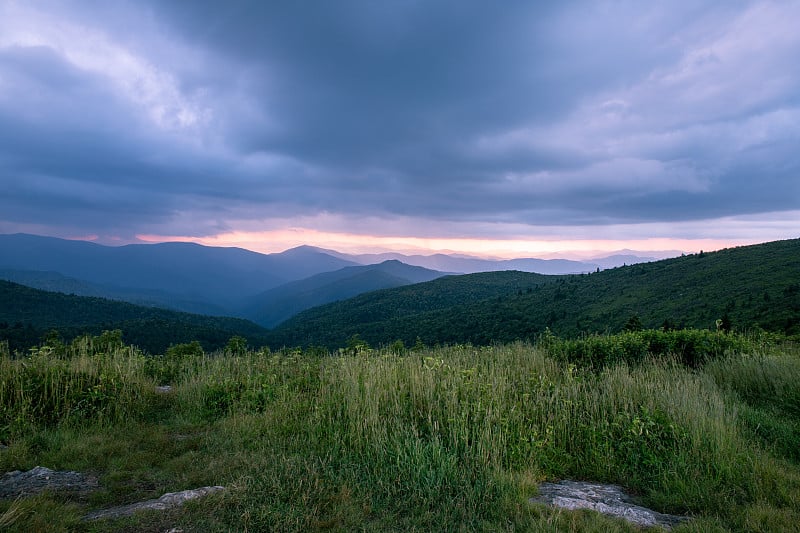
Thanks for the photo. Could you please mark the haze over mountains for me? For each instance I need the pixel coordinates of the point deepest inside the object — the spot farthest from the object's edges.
(276, 305)
(182, 276)
(266, 288)
(464, 264)
(751, 287)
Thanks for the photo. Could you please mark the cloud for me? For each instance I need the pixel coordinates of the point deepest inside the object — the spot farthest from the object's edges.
(710, 132)
(91, 52)
(198, 118)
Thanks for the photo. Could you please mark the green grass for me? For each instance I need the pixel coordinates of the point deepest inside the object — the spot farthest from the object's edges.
(453, 438)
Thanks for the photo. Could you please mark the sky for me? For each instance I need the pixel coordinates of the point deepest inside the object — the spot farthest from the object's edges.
(508, 129)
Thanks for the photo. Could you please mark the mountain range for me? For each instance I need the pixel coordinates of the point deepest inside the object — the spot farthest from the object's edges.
(747, 288)
(265, 288)
(272, 307)
(465, 264)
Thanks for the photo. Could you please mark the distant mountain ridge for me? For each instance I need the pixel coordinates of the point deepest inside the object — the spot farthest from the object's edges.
(268, 288)
(56, 282)
(748, 287)
(471, 265)
(465, 264)
(276, 305)
(210, 279)
(752, 286)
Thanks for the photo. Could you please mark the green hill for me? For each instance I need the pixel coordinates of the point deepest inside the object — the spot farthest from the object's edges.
(276, 305)
(27, 314)
(381, 316)
(750, 287)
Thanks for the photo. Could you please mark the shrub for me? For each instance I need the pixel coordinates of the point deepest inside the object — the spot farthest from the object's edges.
(178, 359)
(236, 345)
(692, 347)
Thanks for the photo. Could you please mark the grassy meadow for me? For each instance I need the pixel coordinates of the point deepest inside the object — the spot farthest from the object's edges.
(455, 438)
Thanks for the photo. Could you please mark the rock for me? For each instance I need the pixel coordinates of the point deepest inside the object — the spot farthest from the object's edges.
(167, 501)
(605, 499)
(17, 483)
(163, 389)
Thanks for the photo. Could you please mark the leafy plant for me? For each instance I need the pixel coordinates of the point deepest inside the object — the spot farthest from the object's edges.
(237, 345)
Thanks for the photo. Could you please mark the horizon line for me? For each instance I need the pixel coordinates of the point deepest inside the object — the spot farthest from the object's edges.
(581, 250)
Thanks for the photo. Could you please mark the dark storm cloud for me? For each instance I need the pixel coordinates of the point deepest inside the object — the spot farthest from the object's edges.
(195, 114)
(357, 83)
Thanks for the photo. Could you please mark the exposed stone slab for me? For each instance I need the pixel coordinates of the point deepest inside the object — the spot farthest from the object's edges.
(605, 499)
(38, 479)
(167, 501)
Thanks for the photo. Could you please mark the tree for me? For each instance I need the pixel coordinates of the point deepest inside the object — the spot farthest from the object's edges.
(108, 341)
(237, 345)
(356, 345)
(724, 323)
(187, 350)
(55, 341)
(418, 345)
(398, 347)
(634, 323)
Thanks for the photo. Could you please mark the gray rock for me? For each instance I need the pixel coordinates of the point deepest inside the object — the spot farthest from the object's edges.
(163, 389)
(605, 499)
(38, 479)
(167, 501)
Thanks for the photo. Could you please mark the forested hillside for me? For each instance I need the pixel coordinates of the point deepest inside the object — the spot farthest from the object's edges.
(27, 315)
(276, 305)
(747, 287)
(382, 315)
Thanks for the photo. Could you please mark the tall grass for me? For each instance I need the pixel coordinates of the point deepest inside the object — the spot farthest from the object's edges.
(84, 382)
(457, 435)
(423, 422)
(766, 386)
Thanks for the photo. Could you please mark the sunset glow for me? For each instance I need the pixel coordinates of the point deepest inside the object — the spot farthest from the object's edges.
(280, 240)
